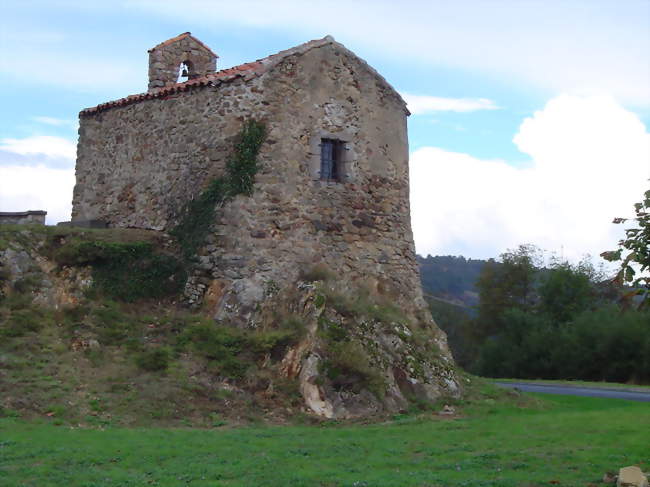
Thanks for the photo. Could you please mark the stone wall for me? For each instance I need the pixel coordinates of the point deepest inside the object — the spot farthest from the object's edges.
(23, 217)
(165, 60)
(138, 164)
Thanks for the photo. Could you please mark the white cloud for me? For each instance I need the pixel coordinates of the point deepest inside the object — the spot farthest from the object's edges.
(37, 173)
(421, 104)
(47, 145)
(37, 188)
(56, 122)
(591, 163)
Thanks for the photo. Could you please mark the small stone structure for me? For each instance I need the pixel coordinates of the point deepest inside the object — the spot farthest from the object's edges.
(332, 186)
(141, 158)
(23, 217)
(183, 56)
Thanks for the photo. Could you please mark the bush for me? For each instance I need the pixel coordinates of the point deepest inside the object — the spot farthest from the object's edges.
(127, 271)
(605, 344)
(154, 360)
(113, 326)
(349, 368)
(25, 320)
(221, 345)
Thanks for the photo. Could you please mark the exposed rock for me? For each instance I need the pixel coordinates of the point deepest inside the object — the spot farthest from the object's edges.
(631, 477)
(447, 410)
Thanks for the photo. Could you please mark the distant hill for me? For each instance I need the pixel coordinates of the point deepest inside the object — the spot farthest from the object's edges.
(451, 278)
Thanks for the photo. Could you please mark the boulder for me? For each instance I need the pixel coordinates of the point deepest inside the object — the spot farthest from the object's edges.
(631, 477)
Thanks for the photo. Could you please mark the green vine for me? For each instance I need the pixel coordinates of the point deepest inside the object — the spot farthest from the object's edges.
(199, 214)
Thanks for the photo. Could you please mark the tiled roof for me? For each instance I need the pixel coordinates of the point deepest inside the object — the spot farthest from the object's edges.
(178, 38)
(246, 71)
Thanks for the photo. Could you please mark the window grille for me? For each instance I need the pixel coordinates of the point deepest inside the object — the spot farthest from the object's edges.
(331, 152)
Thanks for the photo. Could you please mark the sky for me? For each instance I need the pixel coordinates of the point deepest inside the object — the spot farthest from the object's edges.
(529, 118)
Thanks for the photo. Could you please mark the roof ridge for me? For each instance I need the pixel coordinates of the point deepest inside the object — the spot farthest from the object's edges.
(183, 36)
(247, 70)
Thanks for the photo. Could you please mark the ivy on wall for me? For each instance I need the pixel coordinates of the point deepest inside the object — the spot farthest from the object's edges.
(198, 215)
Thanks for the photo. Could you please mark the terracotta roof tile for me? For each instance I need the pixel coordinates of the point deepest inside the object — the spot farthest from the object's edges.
(246, 71)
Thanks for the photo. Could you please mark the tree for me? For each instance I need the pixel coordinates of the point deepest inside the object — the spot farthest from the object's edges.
(566, 290)
(506, 285)
(634, 251)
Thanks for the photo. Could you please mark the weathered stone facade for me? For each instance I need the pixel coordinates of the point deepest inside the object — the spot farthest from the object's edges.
(23, 217)
(185, 52)
(140, 159)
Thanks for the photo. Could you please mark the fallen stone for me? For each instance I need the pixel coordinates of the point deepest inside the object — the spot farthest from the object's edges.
(631, 477)
(447, 411)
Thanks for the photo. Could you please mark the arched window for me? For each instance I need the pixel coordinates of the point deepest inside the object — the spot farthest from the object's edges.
(185, 72)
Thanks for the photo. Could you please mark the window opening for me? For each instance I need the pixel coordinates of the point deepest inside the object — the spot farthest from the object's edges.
(185, 72)
(331, 155)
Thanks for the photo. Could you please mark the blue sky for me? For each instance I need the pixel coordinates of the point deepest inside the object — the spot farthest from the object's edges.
(529, 118)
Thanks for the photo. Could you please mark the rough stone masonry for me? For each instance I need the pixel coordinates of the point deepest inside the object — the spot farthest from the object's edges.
(141, 158)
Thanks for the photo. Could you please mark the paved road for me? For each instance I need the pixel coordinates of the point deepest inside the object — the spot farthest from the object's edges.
(578, 391)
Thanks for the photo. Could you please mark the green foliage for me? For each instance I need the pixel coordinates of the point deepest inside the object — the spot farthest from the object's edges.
(127, 271)
(154, 360)
(567, 290)
(333, 331)
(198, 215)
(219, 344)
(348, 367)
(510, 284)
(233, 351)
(114, 327)
(636, 246)
(553, 323)
(27, 283)
(602, 344)
(25, 320)
(456, 322)
(242, 165)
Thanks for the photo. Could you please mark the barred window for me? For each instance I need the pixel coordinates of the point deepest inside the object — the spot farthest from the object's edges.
(331, 156)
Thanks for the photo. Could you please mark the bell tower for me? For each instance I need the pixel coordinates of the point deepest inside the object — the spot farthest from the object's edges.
(179, 59)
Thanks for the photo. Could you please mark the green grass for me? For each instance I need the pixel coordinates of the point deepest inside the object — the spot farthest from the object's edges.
(582, 383)
(572, 440)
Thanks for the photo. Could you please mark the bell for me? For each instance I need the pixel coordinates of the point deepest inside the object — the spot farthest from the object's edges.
(184, 73)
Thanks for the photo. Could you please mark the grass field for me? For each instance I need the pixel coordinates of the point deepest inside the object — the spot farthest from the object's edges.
(560, 440)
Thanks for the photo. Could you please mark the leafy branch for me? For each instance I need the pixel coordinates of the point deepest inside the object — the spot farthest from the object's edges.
(634, 251)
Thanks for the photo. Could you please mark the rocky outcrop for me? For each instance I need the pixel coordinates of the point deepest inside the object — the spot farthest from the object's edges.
(360, 354)
(25, 268)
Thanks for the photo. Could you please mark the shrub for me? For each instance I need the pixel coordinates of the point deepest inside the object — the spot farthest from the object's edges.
(604, 344)
(349, 368)
(221, 345)
(25, 320)
(154, 360)
(113, 326)
(127, 271)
